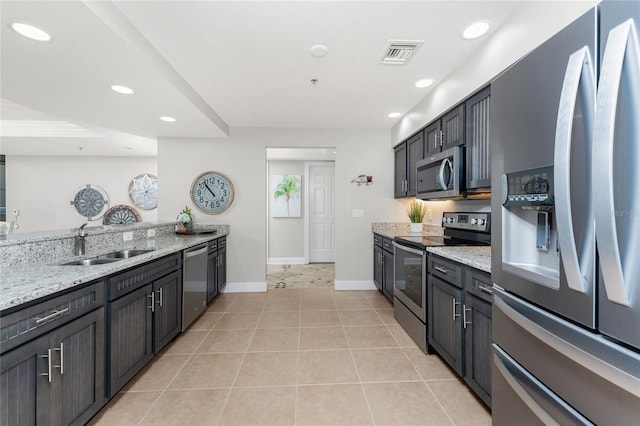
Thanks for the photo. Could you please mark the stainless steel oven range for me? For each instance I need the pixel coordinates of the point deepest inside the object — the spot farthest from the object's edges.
(410, 267)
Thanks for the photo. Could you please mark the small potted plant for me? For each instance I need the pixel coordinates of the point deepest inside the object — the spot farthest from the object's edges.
(185, 220)
(416, 211)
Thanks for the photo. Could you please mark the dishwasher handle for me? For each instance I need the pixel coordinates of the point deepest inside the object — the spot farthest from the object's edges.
(188, 254)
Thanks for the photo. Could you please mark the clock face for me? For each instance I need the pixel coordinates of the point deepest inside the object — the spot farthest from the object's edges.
(212, 192)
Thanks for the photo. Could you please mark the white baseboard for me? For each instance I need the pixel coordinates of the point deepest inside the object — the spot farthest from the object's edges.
(255, 287)
(286, 261)
(354, 285)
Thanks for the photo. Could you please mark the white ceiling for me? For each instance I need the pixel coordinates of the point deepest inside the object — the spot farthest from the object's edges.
(216, 65)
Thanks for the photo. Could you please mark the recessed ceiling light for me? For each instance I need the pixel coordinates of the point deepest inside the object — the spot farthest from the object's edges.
(124, 90)
(394, 114)
(167, 119)
(425, 82)
(29, 31)
(319, 50)
(475, 30)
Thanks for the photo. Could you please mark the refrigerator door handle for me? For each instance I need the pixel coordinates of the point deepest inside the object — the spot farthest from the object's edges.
(616, 376)
(578, 80)
(622, 43)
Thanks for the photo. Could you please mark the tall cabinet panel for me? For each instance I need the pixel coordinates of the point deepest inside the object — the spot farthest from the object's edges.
(477, 138)
(400, 168)
(453, 128)
(415, 152)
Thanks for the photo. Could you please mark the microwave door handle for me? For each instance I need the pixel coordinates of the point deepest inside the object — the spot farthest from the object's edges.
(578, 80)
(443, 164)
(622, 42)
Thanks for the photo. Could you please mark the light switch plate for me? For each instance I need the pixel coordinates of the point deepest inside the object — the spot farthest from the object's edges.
(357, 213)
(127, 236)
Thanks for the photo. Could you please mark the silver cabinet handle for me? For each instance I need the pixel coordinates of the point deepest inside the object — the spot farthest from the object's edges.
(48, 356)
(465, 323)
(485, 289)
(455, 303)
(578, 79)
(61, 350)
(441, 138)
(160, 296)
(441, 269)
(153, 297)
(56, 314)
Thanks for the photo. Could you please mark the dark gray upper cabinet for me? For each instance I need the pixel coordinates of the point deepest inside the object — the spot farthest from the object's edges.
(400, 169)
(432, 136)
(478, 108)
(453, 128)
(406, 156)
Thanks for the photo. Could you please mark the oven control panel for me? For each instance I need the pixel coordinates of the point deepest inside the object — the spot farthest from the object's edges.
(480, 222)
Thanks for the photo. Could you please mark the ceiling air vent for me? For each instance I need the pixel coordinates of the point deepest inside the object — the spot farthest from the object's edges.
(400, 52)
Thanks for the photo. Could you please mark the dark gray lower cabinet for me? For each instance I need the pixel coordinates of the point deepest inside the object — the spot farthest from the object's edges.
(144, 314)
(445, 325)
(168, 310)
(216, 268)
(383, 265)
(477, 304)
(130, 336)
(57, 378)
(459, 319)
(52, 362)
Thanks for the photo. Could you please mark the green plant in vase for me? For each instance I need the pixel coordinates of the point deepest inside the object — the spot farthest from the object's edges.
(416, 211)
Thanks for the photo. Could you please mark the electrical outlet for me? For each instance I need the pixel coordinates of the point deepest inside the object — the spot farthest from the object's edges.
(151, 233)
(429, 215)
(357, 213)
(127, 236)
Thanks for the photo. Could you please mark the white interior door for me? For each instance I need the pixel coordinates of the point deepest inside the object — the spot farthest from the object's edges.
(321, 212)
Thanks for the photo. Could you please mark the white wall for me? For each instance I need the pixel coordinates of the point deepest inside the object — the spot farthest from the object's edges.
(242, 158)
(286, 234)
(42, 187)
(511, 42)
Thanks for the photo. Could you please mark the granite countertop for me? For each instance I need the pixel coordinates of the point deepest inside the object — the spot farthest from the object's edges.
(478, 257)
(25, 283)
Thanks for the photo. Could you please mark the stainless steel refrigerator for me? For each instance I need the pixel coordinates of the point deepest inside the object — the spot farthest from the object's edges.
(565, 123)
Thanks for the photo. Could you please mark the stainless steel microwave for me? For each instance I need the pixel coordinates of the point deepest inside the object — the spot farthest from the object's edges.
(441, 175)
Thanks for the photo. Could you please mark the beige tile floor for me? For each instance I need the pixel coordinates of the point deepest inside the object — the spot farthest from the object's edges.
(308, 356)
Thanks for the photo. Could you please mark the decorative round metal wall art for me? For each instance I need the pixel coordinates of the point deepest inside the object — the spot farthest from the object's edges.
(90, 202)
(119, 215)
(143, 191)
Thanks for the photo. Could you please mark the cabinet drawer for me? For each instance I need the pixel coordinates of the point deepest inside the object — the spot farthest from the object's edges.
(479, 284)
(29, 323)
(387, 244)
(128, 281)
(377, 240)
(222, 242)
(213, 246)
(446, 270)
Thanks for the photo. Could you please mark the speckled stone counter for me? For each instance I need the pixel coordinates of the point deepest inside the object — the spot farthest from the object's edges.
(392, 230)
(478, 257)
(25, 282)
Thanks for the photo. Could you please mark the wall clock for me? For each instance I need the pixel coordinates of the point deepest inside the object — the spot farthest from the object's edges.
(212, 192)
(90, 201)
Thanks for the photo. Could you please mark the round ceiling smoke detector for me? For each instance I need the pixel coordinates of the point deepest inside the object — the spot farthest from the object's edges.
(319, 50)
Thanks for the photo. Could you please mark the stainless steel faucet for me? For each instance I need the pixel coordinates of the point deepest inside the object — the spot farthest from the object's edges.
(80, 246)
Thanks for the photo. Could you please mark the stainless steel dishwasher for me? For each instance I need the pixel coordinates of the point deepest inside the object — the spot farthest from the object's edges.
(194, 284)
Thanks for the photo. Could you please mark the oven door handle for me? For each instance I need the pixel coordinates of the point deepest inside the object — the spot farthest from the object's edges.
(410, 250)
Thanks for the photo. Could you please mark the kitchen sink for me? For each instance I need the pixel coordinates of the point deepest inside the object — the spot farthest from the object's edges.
(108, 258)
(124, 254)
(88, 262)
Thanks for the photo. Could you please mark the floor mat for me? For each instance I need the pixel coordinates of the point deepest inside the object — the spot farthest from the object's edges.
(301, 276)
